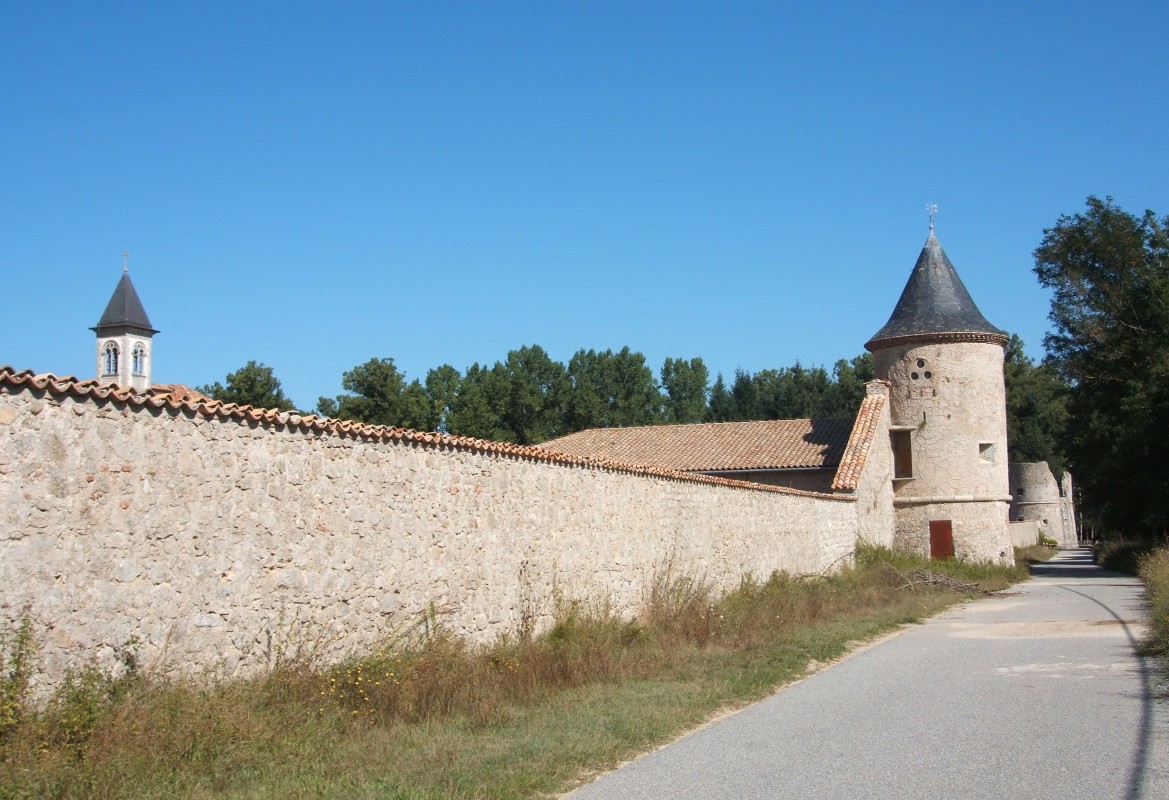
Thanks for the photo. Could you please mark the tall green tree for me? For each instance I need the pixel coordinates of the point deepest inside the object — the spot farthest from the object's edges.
(609, 390)
(1036, 409)
(535, 389)
(375, 395)
(1109, 275)
(745, 397)
(253, 384)
(417, 409)
(795, 392)
(722, 402)
(848, 387)
(476, 410)
(685, 384)
(442, 388)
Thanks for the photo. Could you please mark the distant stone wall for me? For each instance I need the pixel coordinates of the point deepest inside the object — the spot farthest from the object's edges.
(1025, 534)
(212, 543)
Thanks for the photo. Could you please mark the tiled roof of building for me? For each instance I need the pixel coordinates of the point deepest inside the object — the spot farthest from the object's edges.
(717, 446)
(12, 381)
(935, 305)
(860, 441)
(124, 309)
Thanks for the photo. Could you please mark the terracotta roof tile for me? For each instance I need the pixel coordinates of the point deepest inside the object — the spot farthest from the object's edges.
(177, 391)
(68, 386)
(717, 446)
(864, 431)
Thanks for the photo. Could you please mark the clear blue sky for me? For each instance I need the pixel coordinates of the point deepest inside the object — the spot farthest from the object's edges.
(311, 185)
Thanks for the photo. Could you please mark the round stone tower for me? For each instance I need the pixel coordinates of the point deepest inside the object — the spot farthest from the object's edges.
(944, 363)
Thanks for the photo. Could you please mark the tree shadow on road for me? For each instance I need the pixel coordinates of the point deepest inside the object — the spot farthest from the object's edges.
(1077, 565)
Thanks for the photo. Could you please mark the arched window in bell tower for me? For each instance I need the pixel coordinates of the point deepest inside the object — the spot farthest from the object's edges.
(110, 359)
(138, 360)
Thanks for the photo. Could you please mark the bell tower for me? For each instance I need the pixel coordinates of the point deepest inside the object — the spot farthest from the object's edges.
(944, 362)
(124, 337)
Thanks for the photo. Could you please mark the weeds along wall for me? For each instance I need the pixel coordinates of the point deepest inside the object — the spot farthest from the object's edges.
(213, 538)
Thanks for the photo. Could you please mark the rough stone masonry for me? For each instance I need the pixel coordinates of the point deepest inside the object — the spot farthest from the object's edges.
(212, 540)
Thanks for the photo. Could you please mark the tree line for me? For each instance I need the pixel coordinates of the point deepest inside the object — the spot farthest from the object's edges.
(529, 397)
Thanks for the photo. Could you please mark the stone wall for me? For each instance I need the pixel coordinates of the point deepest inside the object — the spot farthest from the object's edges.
(810, 480)
(213, 541)
(1025, 534)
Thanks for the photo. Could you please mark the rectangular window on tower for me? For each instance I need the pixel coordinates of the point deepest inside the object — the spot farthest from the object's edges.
(902, 454)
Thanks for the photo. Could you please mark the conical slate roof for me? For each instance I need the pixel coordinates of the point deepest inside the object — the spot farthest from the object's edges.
(124, 310)
(935, 305)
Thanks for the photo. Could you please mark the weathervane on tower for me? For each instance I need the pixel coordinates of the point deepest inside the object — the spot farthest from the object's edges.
(932, 208)
(126, 260)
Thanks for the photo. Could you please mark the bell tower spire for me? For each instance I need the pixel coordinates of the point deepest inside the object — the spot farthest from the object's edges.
(124, 336)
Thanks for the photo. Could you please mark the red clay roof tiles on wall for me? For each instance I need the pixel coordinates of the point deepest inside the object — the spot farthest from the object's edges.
(856, 453)
(193, 402)
(717, 446)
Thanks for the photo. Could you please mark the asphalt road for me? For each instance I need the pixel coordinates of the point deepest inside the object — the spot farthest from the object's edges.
(1037, 693)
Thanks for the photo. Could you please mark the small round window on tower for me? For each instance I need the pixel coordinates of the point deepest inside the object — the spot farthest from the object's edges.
(921, 371)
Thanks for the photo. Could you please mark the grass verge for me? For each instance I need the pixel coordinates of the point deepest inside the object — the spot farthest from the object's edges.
(1154, 571)
(429, 717)
(1123, 555)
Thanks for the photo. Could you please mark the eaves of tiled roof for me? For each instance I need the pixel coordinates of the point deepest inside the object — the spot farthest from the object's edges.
(717, 446)
(12, 381)
(860, 441)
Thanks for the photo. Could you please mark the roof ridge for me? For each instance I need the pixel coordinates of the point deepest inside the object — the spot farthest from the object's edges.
(214, 409)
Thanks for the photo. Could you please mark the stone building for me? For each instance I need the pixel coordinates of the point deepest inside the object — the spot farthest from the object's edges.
(941, 365)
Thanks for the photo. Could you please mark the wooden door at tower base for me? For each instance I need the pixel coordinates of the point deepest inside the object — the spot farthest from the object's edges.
(941, 538)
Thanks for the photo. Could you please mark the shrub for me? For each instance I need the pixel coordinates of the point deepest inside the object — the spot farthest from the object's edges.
(16, 661)
(1123, 555)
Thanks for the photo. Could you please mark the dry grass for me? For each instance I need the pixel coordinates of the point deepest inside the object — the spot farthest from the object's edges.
(1154, 571)
(428, 716)
(1124, 555)
(1035, 554)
